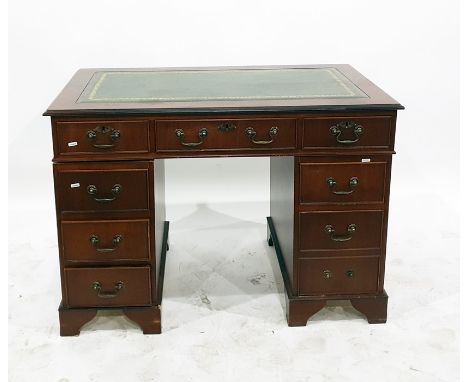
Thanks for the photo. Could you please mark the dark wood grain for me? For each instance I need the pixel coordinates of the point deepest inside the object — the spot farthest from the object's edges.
(304, 155)
(315, 189)
(313, 236)
(282, 207)
(217, 139)
(299, 312)
(162, 134)
(71, 320)
(133, 179)
(148, 318)
(161, 230)
(373, 307)
(377, 131)
(72, 137)
(135, 292)
(312, 280)
(134, 244)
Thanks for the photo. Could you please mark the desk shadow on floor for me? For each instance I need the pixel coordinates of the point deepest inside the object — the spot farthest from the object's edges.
(219, 254)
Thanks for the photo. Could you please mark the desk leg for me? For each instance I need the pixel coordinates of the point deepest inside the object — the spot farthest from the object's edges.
(149, 319)
(71, 320)
(298, 312)
(373, 307)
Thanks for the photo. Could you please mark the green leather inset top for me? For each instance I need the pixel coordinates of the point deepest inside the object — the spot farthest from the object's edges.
(218, 85)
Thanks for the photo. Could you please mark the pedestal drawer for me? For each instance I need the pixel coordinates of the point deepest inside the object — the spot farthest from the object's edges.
(348, 132)
(338, 276)
(102, 187)
(340, 230)
(220, 134)
(343, 183)
(117, 286)
(102, 137)
(106, 240)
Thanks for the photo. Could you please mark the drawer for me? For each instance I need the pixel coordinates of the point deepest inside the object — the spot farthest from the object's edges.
(220, 134)
(350, 182)
(117, 286)
(102, 187)
(338, 276)
(348, 132)
(339, 230)
(106, 240)
(101, 137)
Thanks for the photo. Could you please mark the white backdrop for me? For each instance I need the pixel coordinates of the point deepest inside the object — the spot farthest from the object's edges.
(409, 48)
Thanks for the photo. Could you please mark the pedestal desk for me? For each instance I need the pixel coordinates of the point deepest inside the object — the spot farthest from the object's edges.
(328, 131)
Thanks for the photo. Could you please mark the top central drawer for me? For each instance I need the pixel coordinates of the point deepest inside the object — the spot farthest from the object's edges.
(221, 134)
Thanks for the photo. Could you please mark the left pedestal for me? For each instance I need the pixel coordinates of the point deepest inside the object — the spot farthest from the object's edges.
(112, 238)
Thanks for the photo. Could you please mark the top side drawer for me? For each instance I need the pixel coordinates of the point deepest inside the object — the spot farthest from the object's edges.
(342, 182)
(100, 187)
(102, 137)
(349, 132)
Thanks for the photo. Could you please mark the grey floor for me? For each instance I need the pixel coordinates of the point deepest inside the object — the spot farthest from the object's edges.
(223, 308)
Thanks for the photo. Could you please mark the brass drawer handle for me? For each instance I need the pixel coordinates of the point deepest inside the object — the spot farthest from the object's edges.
(116, 190)
(106, 294)
(202, 134)
(327, 274)
(251, 133)
(116, 240)
(104, 130)
(337, 129)
(331, 231)
(353, 182)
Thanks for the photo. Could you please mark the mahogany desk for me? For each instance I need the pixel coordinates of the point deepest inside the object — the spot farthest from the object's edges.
(328, 131)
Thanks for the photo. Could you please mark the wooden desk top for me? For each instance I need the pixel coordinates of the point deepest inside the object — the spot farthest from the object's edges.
(221, 89)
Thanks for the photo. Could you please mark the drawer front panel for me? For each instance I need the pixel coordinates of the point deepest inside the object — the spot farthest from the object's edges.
(102, 137)
(103, 189)
(241, 134)
(340, 230)
(106, 241)
(117, 286)
(353, 182)
(348, 132)
(338, 276)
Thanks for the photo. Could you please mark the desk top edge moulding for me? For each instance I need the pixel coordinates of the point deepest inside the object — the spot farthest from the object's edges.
(219, 89)
(330, 136)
